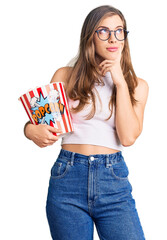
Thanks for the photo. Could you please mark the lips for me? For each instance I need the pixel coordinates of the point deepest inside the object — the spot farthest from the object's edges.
(112, 49)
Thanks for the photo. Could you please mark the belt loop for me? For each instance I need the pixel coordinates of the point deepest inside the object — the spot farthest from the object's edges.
(107, 161)
(72, 158)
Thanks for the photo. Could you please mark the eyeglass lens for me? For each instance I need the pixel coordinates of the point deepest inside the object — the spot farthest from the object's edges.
(104, 34)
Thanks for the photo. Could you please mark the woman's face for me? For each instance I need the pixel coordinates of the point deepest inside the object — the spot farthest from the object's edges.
(104, 49)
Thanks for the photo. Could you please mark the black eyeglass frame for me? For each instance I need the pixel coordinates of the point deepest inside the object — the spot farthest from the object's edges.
(110, 31)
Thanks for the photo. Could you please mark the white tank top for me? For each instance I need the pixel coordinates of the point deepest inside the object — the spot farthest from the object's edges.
(95, 131)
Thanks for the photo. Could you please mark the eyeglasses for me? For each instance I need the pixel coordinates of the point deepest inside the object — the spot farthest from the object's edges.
(104, 34)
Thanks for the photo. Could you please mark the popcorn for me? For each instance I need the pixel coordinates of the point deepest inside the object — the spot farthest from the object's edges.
(48, 105)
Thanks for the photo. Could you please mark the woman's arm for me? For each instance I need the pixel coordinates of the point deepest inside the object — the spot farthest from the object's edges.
(129, 119)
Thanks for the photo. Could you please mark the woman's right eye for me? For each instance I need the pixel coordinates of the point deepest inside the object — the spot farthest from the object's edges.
(102, 31)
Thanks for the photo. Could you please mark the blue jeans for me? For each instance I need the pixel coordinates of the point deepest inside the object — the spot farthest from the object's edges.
(87, 190)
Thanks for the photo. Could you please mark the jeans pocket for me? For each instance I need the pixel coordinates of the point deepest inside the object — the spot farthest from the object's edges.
(60, 168)
(120, 170)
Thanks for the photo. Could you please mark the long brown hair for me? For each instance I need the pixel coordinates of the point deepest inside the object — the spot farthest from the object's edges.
(85, 71)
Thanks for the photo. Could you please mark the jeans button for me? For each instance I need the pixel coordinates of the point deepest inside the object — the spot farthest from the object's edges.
(92, 158)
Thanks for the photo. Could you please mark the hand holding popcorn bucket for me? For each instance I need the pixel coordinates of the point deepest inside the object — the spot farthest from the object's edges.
(48, 105)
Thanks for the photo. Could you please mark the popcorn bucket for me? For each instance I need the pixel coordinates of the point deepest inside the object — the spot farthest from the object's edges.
(48, 105)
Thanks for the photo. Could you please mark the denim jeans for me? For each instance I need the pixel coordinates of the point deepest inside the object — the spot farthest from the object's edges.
(87, 190)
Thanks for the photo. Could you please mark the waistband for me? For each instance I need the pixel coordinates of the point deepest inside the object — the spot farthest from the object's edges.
(109, 159)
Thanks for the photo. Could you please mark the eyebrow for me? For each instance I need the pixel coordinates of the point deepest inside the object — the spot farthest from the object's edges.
(108, 28)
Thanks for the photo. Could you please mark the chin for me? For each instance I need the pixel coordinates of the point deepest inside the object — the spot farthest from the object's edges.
(111, 58)
(112, 55)
(106, 57)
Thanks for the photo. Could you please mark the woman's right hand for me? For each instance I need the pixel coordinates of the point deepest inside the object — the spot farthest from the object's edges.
(42, 135)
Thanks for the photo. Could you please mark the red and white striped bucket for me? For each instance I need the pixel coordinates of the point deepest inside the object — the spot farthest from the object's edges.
(48, 105)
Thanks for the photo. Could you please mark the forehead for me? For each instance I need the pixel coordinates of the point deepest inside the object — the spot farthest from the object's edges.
(111, 22)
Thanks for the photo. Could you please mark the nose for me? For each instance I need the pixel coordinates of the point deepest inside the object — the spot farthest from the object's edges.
(112, 37)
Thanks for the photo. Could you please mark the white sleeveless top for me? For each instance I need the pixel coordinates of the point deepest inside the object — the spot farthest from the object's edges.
(95, 131)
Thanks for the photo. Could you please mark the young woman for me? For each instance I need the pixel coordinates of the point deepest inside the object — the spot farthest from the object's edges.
(89, 180)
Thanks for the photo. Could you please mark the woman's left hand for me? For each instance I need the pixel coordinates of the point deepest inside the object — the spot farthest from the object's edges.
(114, 67)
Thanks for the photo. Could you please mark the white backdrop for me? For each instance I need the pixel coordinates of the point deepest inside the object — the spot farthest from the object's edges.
(30, 53)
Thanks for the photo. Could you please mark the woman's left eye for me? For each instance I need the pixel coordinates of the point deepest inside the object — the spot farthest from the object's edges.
(120, 30)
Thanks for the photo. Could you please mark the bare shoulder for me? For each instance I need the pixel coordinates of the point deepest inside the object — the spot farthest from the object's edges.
(141, 91)
(142, 83)
(61, 75)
